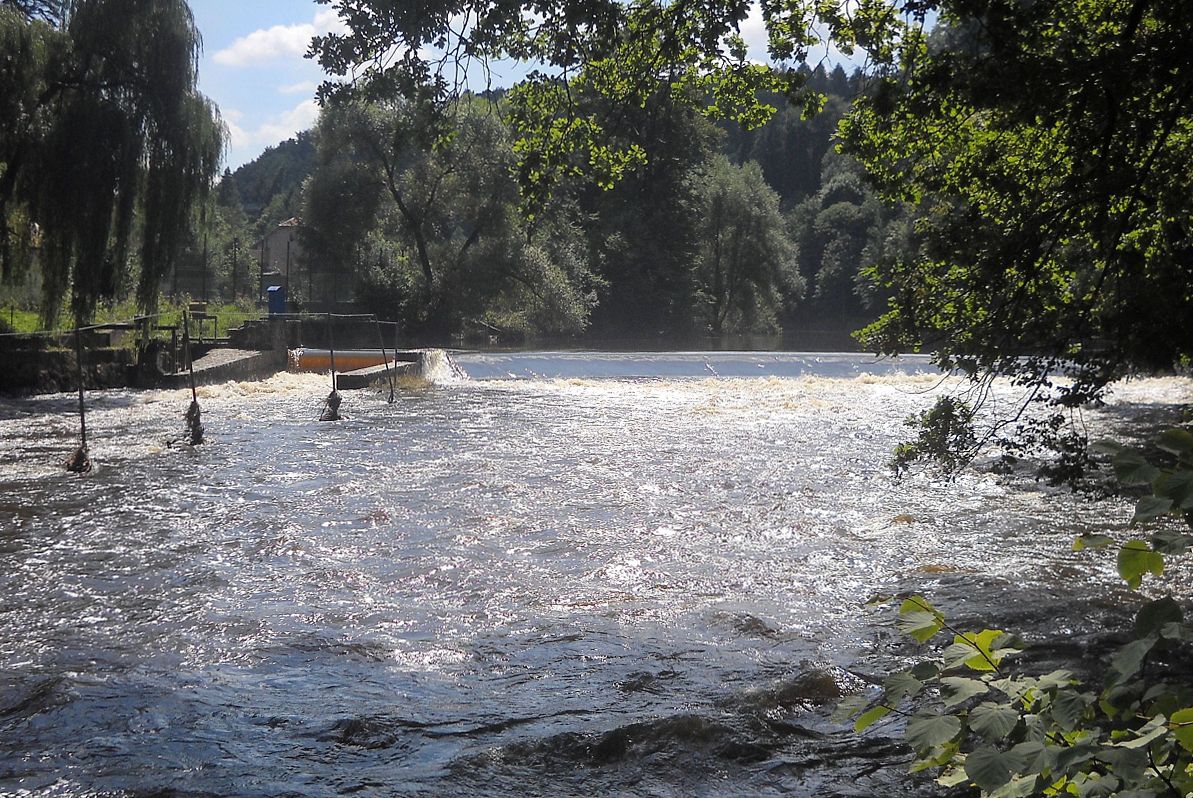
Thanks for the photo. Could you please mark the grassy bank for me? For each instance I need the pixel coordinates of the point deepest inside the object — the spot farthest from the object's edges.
(20, 320)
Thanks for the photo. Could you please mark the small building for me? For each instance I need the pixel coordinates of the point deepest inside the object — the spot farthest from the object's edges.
(279, 255)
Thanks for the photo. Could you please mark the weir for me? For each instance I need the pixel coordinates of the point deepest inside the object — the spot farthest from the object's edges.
(259, 349)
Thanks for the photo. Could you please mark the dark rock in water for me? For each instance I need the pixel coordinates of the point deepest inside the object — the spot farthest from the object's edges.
(670, 736)
(744, 623)
(370, 733)
(813, 688)
(645, 682)
(28, 698)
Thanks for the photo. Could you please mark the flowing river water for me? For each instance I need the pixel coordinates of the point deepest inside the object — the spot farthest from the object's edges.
(569, 575)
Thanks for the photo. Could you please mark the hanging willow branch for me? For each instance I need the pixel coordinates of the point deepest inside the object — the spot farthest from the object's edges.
(114, 131)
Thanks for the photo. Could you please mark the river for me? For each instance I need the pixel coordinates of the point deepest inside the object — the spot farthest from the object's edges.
(573, 574)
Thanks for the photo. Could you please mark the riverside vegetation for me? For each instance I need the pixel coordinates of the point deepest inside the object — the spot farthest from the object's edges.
(1013, 179)
(975, 718)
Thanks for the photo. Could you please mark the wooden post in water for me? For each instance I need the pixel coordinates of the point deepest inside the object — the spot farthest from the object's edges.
(194, 417)
(80, 461)
(331, 406)
(385, 359)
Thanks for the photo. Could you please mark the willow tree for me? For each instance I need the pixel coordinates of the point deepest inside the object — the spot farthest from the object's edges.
(109, 144)
(746, 264)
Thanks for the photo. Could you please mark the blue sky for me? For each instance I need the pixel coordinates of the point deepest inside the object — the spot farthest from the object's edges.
(253, 66)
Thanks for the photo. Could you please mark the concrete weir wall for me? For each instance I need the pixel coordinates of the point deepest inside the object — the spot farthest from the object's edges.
(54, 370)
(257, 350)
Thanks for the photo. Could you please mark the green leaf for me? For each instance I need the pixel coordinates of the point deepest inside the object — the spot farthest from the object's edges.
(870, 717)
(1069, 706)
(1079, 752)
(919, 619)
(1127, 661)
(928, 731)
(849, 706)
(983, 656)
(955, 655)
(1181, 724)
(1168, 542)
(953, 777)
(1177, 441)
(1106, 447)
(1100, 787)
(925, 671)
(990, 768)
(1178, 487)
(1155, 615)
(1090, 541)
(1152, 730)
(958, 689)
(901, 685)
(936, 757)
(1017, 787)
(1132, 469)
(993, 721)
(1035, 755)
(1128, 764)
(1060, 677)
(1149, 508)
(1135, 559)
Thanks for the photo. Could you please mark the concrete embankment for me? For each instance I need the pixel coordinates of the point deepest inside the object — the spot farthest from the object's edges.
(49, 370)
(224, 365)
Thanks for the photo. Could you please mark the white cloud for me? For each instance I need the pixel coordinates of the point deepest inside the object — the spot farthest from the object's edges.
(753, 31)
(279, 42)
(302, 87)
(299, 118)
(279, 128)
(237, 136)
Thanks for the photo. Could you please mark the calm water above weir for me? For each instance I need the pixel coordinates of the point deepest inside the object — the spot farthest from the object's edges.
(614, 574)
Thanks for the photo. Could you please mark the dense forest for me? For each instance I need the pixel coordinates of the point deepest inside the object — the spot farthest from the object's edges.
(723, 230)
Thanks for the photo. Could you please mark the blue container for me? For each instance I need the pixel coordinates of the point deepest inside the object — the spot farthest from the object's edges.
(277, 299)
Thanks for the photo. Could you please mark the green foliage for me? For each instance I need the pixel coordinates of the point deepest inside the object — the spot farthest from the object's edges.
(838, 230)
(105, 136)
(1049, 148)
(625, 53)
(430, 225)
(745, 267)
(974, 720)
(277, 172)
(944, 436)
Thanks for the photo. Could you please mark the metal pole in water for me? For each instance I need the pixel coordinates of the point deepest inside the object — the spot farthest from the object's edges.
(331, 346)
(194, 420)
(391, 376)
(385, 359)
(80, 462)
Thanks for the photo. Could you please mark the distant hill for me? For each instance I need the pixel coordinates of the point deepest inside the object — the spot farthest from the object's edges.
(276, 175)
